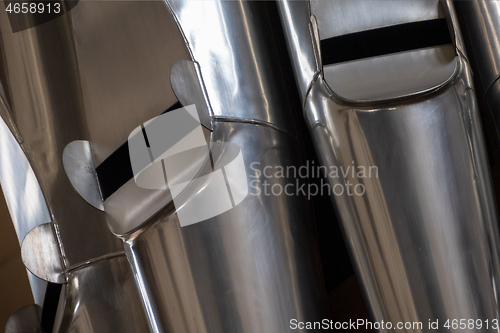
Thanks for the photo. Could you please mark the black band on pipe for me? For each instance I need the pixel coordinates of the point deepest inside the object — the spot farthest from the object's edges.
(116, 170)
(50, 304)
(386, 40)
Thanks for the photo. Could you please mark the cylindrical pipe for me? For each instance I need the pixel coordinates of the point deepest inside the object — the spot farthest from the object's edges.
(419, 216)
(480, 24)
(41, 111)
(253, 268)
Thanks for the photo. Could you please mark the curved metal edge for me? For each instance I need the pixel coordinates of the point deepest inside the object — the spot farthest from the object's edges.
(79, 167)
(38, 288)
(174, 253)
(300, 32)
(25, 320)
(218, 54)
(188, 87)
(479, 21)
(316, 116)
(22, 191)
(41, 254)
(101, 297)
(320, 89)
(296, 22)
(459, 53)
(27, 205)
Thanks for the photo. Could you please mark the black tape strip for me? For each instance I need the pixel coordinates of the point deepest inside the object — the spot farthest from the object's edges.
(50, 303)
(386, 40)
(145, 137)
(116, 170)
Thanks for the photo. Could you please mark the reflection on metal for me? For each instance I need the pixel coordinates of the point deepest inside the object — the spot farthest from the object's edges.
(246, 270)
(187, 86)
(347, 16)
(122, 212)
(216, 189)
(43, 83)
(124, 85)
(38, 288)
(25, 320)
(423, 232)
(26, 203)
(251, 268)
(170, 152)
(480, 23)
(79, 167)
(125, 52)
(391, 75)
(41, 254)
(100, 298)
(159, 140)
(238, 68)
(303, 56)
(46, 78)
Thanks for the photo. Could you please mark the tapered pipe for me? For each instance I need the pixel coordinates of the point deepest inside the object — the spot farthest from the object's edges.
(253, 268)
(480, 24)
(64, 240)
(421, 225)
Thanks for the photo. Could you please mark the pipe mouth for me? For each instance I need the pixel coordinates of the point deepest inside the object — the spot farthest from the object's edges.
(387, 53)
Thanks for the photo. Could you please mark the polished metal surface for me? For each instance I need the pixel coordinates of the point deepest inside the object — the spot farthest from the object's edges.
(125, 83)
(125, 52)
(296, 26)
(187, 85)
(41, 78)
(43, 84)
(26, 204)
(25, 320)
(100, 297)
(251, 269)
(79, 167)
(228, 40)
(38, 288)
(423, 233)
(341, 17)
(481, 27)
(96, 74)
(392, 76)
(122, 212)
(480, 23)
(41, 254)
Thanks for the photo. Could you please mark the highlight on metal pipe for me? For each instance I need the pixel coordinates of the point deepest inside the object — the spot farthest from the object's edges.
(154, 160)
(138, 124)
(480, 24)
(386, 86)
